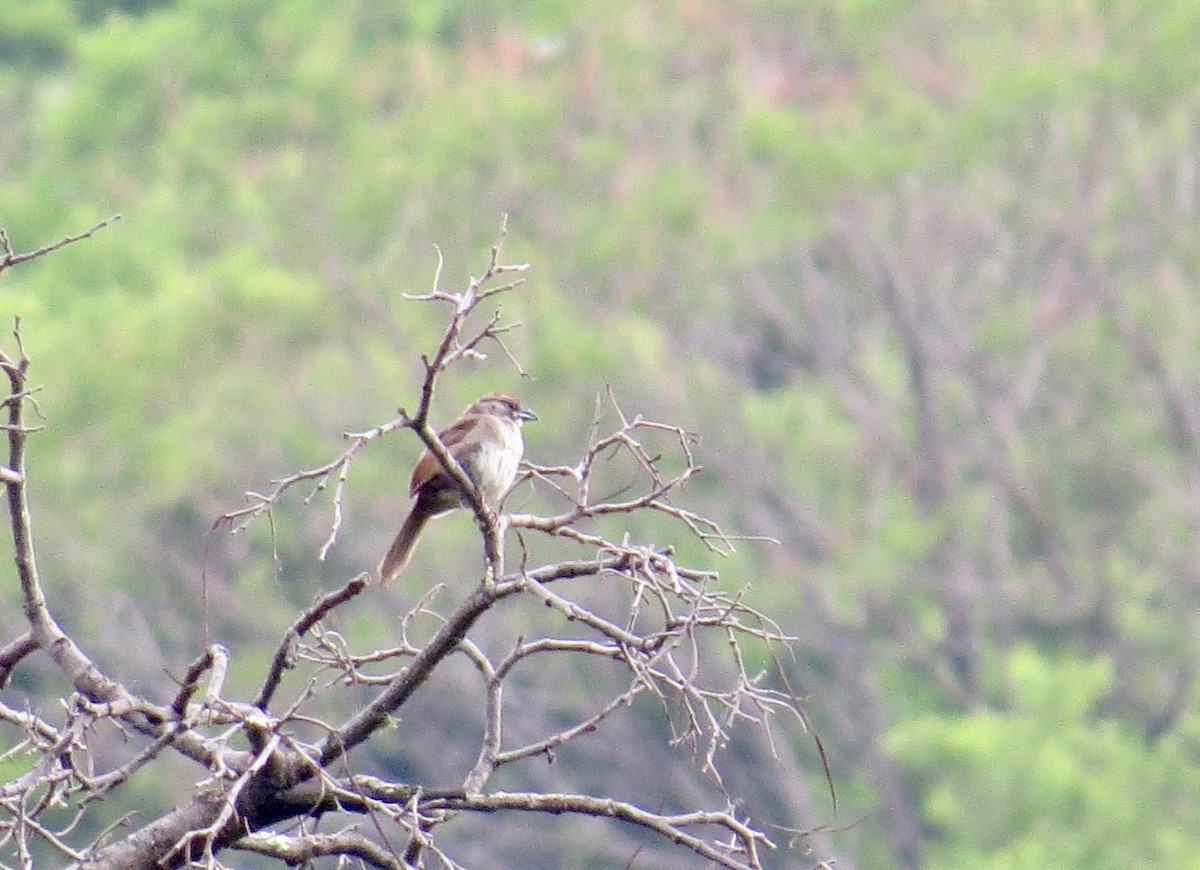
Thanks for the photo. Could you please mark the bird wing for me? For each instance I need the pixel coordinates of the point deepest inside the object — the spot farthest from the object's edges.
(428, 466)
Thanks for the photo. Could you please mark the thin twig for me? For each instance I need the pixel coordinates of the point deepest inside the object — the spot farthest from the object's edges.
(8, 257)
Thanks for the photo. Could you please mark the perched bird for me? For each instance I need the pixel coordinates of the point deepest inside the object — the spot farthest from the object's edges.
(486, 442)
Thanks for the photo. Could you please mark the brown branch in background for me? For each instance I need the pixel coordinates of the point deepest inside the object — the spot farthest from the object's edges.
(208, 836)
(1182, 413)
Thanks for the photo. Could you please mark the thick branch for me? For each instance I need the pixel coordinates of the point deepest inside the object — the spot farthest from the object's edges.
(303, 849)
(144, 849)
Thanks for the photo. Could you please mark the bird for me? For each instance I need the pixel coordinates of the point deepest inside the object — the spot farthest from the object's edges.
(486, 442)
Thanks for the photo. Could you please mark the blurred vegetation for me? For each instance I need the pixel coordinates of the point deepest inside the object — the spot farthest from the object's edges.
(922, 276)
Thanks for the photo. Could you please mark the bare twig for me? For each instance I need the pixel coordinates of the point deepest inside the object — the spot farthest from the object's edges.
(237, 520)
(9, 257)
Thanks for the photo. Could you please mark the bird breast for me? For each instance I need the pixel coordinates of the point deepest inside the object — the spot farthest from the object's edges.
(493, 465)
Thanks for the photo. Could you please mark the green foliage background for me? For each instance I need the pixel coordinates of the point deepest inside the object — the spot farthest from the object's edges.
(739, 214)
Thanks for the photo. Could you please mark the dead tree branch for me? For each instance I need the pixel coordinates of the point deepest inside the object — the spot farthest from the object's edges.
(670, 632)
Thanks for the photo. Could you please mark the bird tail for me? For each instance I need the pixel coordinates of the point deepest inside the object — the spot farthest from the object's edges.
(399, 554)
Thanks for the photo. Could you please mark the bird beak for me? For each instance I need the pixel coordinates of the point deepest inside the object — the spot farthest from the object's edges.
(526, 414)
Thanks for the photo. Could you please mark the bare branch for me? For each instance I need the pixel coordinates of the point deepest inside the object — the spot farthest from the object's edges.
(652, 621)
(301, 849)
(449, 351)
(12, 653)
(375, 714)
(209, 834)
(238, 520)
(672, 827)
(8, 257)
(306, 620)
(587, 726)
(655, 497)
